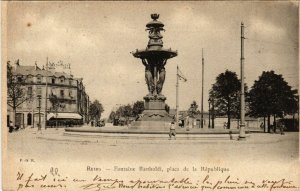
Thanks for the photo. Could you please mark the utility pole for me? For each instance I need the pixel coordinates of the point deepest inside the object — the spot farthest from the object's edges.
(202, 89)
(242, 135)
(46, 96)
(177, 100)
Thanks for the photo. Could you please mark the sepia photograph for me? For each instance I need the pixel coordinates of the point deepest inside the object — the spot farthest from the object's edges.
(150, 95)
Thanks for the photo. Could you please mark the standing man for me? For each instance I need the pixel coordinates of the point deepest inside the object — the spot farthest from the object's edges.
(172, 131)
(187, 123)
(194, 123)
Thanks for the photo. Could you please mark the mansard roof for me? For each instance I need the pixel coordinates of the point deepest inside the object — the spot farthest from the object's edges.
(31, 70)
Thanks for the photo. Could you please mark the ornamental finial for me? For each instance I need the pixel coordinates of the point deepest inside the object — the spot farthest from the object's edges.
(154, 16)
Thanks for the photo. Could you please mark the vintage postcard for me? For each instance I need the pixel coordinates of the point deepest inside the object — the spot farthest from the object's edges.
(150, 95)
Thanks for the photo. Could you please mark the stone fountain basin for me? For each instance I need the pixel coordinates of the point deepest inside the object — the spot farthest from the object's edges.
(148, 53)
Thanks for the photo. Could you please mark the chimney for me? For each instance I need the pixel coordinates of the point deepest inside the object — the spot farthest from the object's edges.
(17, 63)
(35, 67)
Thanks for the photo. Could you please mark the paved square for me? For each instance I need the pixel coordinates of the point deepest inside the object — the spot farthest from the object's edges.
(52, 145)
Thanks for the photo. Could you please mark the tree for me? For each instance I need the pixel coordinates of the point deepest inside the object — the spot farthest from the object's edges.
(212, 107)
(54, 102)
(15, 90)
(112, 116)
(55, 105)
(138, 108)
(124, 111)
(226, 93)
(193, 110)
(291, 105)
(127, 111)
(271, 95)
(95, 110)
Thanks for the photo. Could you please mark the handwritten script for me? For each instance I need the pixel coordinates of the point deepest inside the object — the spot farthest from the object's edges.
(54, 180)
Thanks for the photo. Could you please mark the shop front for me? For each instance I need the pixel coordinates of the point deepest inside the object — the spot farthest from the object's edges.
(64, 119)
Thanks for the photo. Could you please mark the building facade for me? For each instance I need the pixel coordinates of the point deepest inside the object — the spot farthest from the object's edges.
(39, 85)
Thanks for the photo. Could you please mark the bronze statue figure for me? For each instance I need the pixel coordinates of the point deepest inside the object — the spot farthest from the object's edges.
(149, 77)
(161, 77)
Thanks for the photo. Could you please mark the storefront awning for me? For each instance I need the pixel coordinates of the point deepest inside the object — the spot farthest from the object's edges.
(63, 116)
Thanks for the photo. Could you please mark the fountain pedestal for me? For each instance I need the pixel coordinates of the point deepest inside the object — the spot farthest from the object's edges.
(155, 102)
(154, 117)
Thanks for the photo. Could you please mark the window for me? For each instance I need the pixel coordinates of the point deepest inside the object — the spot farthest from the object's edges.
(62, 80)
(29, 79)
(62, 93)
(29, 91)
(20, 79)
(39, 91)
(39, 79)
(70, 82)
(53, 80)
(70, 93)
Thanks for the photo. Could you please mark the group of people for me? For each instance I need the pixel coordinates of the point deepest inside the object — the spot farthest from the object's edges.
(279, 124)
(188, 123)
(12, 128)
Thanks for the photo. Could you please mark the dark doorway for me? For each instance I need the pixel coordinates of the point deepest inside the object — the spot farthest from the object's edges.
(19, 120)
(8, 119)
(29, 119)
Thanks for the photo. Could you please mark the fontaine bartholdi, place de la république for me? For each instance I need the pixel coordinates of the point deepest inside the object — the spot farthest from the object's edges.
(154, 58)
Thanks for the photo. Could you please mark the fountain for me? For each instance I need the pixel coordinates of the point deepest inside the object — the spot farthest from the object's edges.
(154, 58)
(154, 121)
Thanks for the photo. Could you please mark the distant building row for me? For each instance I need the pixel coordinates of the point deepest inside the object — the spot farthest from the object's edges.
(69, 91)
(219, 121)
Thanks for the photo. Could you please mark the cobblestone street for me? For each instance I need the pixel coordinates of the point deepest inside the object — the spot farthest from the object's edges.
(107, 156)
(52, 144)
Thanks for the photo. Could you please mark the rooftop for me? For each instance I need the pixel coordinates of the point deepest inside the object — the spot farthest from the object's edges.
(35, 70)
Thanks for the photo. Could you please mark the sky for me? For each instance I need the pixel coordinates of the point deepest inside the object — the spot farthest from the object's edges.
(96, 38)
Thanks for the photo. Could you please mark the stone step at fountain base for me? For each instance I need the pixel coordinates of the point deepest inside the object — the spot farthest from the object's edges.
(160, 136)
(130, 130)
(150, 126)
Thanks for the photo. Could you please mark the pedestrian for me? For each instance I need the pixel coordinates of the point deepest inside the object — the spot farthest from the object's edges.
(187, 123)
(172, 131)
(11, 126)
(262, 125)
(225, 125)
(274, 126)
(281, 127)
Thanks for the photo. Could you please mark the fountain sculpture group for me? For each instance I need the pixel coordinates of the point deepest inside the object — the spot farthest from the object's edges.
(154, 58)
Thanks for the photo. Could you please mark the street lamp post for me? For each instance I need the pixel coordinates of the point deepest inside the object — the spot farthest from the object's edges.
(213, 114)
(242, 134)
(56, 115)
(46, 95)
(177, 99)
(202, 91)
(39, 108)
(209, 100)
